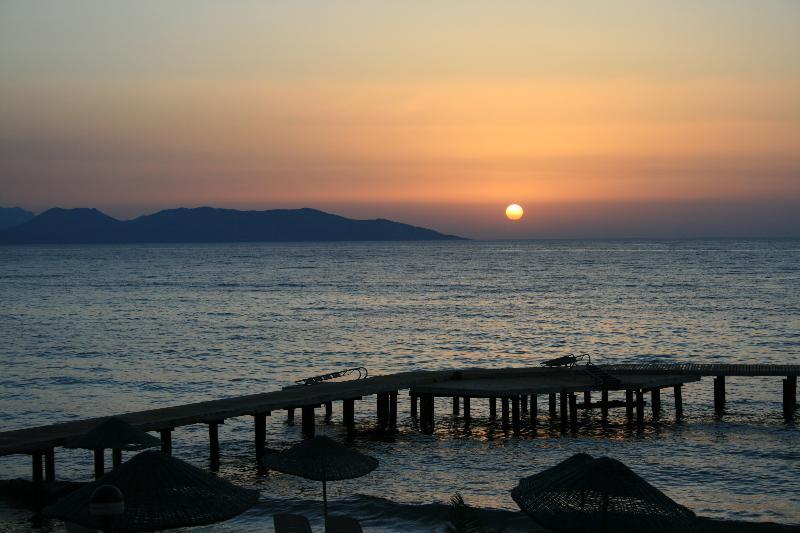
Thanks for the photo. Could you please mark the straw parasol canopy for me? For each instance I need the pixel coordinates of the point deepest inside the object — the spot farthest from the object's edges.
(160, 492)
(599, 495)
(114, 433)
(321, 459)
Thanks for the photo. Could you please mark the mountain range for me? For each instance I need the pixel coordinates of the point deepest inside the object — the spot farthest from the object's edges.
(208, 224)
(13, 216)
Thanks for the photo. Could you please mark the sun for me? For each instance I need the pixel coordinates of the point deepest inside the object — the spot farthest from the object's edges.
(514, 212)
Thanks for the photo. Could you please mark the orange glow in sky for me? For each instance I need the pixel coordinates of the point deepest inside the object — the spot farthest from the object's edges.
(407, 111)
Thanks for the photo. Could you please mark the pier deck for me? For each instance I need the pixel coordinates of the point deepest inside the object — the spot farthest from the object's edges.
(505, 382)
(499, 387)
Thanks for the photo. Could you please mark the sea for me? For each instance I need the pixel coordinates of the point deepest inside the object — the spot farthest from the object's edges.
(100, 330)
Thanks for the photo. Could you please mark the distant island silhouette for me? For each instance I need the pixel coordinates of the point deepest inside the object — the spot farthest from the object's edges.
(208, 224)
(13, 216)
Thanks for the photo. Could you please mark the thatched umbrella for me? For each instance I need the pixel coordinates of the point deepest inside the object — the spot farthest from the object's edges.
(599, 495)
(116, 434)
(321, 459)
(160, 492)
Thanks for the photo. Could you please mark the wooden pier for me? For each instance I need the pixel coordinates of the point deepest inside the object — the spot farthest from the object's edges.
(517, 389)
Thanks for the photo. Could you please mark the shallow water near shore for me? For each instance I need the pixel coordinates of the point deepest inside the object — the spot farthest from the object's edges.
(96, 330)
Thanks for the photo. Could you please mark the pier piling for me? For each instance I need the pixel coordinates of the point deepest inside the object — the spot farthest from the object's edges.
(573, 412)
(504, 408)
(523, 403)
(382, 408)
(50, 464)
(260, 430)
(166, 440)
(563, 410)
(290, 415)
(719, 395)
(99, 463)
(307, 413)
(640, 409)
(427, 413)
(348, 416)
(789, 397)
(492, 408)
(677, 391)
(551, 398)
(116, 457)
(328, 411)
(629, 405)
(515, 413)
(393, 410)
(467, 414)
(587, 399)
(213, 444)
(604, 405)
(655, 399)
(36, 478)
(534, 408)
(414, 412)
(455, 406)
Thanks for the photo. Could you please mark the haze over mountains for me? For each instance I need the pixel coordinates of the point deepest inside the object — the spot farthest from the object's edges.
(208, 224)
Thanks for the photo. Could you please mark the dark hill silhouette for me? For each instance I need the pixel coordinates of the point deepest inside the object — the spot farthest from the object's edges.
(208, 224)
(64, 226)
(13, 216)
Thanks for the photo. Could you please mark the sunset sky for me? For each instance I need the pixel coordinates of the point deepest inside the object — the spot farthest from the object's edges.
(601, 118)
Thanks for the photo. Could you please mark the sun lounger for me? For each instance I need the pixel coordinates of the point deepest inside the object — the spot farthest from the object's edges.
(291, 523)
(342, 524)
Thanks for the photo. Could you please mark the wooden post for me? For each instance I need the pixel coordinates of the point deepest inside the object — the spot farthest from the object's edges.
(348, 416)
(290, 415)
(467, 415)
(50, 464)
(99, 463)
(393, 410)
(629, 404)
(678, 392)
(534, 408)
(504, 410)
(427, 413)
(382, 406)
(260, 423)
(307, 413)
(492, 408)
(587, 399)
(116, 457)
(563, 410)
(328, 411)
(456, 406)
(523, 401)
(515, 413)
(573, 412)
(789, 397)
(604, 405)
(36, 478)
(655, 398)
(719, 395)
(552, 404)
(413, 405)
(166, 440)
(213, 444)
(640, 408)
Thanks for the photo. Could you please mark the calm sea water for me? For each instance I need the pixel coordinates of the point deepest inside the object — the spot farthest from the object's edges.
(95, 330)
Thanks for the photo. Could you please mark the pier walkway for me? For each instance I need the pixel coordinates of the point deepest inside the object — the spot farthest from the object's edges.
(517, 389)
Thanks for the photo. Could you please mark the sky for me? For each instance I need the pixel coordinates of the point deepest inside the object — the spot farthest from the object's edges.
(601, 118)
